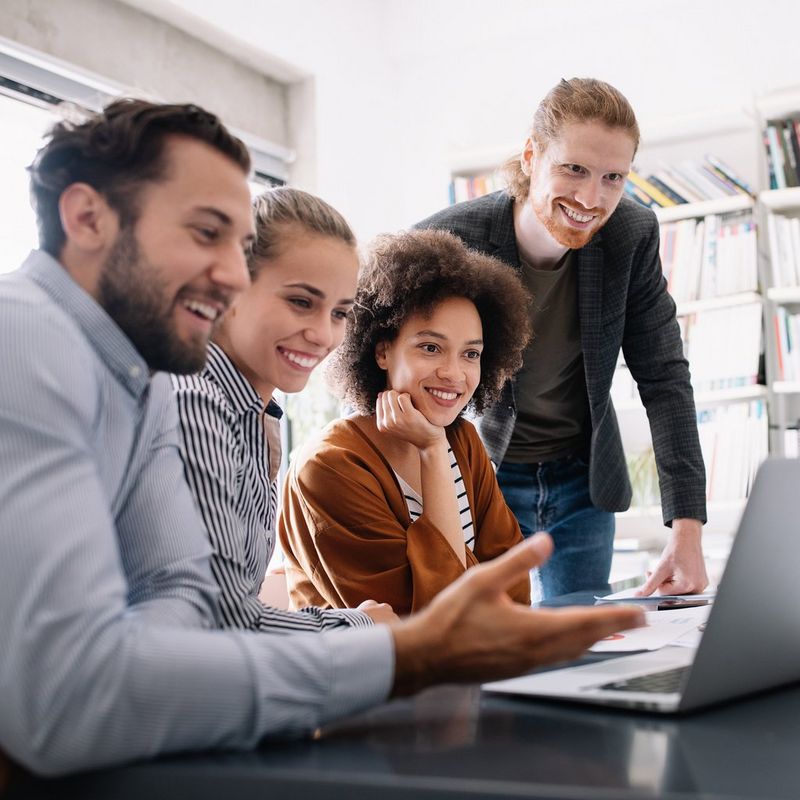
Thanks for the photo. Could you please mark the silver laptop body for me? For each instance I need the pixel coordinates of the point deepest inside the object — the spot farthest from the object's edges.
(752, 636)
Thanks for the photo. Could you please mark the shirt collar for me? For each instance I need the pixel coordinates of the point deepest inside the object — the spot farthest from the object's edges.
(242, 395)
(112, 346)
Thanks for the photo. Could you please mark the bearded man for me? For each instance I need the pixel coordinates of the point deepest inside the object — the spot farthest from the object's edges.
(590, 258)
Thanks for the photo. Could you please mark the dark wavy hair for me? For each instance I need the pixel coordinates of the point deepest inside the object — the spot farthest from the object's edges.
(411, 273)
(116, 152)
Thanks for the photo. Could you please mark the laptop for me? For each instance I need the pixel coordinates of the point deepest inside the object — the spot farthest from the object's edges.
(752, 636)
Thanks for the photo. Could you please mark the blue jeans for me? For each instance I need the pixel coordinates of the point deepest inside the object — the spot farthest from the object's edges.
(553, 496)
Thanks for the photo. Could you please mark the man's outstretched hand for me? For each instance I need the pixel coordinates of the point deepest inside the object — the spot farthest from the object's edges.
(472, 631)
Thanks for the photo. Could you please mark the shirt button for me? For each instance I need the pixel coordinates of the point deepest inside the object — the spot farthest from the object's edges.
(135, 371)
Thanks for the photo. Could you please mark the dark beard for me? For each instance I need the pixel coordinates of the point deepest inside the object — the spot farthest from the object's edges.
(135, 297)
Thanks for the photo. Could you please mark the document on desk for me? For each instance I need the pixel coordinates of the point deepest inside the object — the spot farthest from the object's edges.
(627, 595)
(663, 628)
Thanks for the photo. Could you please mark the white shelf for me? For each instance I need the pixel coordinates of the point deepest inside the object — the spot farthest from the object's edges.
(779, 102)
(717, 506)
(786, 387)
(737, 394)
(784, 294)
(781, 199)
(646, 523)
(722, 205)
(728, 301)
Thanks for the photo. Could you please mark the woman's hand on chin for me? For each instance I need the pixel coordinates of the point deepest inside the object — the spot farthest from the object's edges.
(396, 415)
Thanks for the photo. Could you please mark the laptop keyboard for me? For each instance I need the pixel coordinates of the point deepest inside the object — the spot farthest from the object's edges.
(668, 681)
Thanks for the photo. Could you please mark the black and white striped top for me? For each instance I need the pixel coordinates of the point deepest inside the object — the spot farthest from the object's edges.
(231, 452)
(414, 501)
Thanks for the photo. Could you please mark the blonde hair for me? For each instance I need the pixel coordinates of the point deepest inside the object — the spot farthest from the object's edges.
(280, 212)
(574, 100)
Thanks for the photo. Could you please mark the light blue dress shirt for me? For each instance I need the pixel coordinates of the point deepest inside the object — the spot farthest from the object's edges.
(107, 603)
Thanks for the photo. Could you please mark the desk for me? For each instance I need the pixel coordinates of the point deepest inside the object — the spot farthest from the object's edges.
(455, 742)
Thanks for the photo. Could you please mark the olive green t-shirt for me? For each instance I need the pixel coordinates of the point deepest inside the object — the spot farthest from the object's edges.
(550, 392)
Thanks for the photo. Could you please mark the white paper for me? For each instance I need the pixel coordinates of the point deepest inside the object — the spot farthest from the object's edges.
(663, 628)
(630, 594)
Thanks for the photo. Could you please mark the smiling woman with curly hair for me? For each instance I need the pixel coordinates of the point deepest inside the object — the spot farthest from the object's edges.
(395, 502)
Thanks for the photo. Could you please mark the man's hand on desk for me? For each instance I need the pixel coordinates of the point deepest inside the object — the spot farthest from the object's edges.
(472, 631)
(681, 568)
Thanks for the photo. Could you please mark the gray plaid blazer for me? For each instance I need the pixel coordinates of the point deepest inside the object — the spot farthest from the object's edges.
(623, 303)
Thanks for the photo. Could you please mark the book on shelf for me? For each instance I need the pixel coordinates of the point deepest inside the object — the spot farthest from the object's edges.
(722, 169)
(678, 199)
(649, 189)
(694, 175)
(668, 176)
(789, 150)
(786, 327)
(468, 187)
(724, 346)
(783, 234)
(782, 145)
(728, 187)
(734, 440)
(687, 182)
(634, 192)
(713, 256)
(794, 127)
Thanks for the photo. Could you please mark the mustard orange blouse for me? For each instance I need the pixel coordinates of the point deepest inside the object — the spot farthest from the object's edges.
(347, 535)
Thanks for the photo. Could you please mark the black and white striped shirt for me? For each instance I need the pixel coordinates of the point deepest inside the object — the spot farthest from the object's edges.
(231, 452)
(414, 500)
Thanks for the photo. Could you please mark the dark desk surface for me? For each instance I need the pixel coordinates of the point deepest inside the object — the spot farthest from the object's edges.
(455, 742)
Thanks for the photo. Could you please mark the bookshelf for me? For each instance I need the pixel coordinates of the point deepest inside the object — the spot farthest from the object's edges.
(704, 208)
(778, 117)
(748, 407)
(467, 184)
(709, 252)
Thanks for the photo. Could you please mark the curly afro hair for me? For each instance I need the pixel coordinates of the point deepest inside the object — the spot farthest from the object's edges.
(411, 273)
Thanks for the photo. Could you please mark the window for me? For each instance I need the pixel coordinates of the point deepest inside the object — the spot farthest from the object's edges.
(21, 133)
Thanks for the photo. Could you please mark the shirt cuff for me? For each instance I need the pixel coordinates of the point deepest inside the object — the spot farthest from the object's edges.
(350, 617)
(362, 669)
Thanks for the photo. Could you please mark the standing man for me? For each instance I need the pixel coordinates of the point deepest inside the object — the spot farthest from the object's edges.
(108, 611)
(590, 259)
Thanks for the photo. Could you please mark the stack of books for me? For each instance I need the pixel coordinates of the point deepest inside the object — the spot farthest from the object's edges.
(782, 143)
(787, 336)
(709, 257)
(724, 346)
(784, 248)
(734, 440)
(687, 182)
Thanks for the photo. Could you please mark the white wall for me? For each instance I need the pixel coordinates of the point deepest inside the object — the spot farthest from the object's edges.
(341, 111)
(137, 51)
(405, 88)
(389, 94)
(474, 70)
